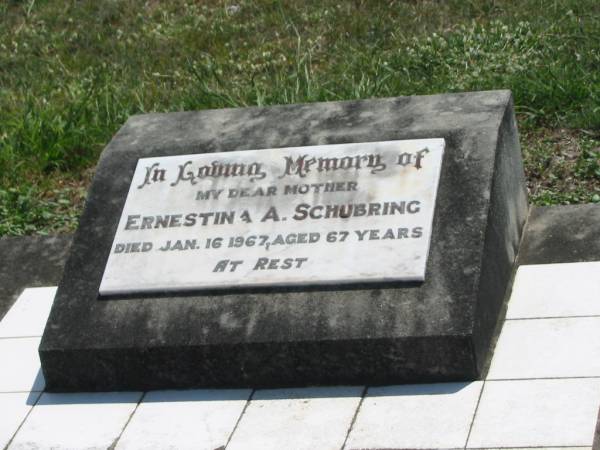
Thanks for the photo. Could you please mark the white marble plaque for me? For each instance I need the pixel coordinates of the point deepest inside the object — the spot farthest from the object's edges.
(324, 214)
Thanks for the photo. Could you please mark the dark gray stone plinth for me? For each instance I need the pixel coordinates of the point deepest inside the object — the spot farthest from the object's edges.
(30, 261)
(561, 234)
(438, 330)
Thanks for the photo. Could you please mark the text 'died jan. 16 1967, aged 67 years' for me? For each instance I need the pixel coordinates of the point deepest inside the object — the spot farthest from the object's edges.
(322, 214)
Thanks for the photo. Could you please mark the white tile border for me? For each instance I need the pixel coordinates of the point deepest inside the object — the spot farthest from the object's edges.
(543, 381)
(547, 348)
(21, 371)
(14, 408)
(76, 421)
(416, 416)
(28, 316)
(298, 418)
(536, 413)
(555, 290)
(190, 419)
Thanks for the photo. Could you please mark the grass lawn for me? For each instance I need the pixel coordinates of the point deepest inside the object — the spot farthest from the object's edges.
(71, 72)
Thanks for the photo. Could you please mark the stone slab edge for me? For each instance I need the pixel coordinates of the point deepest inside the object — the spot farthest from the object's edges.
(475, 127)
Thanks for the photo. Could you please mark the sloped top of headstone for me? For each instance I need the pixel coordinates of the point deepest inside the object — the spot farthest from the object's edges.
(436, 328)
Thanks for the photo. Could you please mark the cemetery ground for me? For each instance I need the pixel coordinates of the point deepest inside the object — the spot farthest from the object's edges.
(502, 333)
(71, 73)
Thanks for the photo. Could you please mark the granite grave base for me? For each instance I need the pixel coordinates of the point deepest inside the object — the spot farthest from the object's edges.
(439, 329)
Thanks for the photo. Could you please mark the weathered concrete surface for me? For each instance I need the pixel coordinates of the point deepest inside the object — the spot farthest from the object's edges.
(30, 261)
(561, 234)
(438, 330)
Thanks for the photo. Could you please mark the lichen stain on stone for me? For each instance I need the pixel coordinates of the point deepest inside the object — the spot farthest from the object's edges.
(228, 321)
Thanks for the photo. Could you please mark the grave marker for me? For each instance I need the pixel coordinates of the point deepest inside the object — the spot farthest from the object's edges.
(214, 249)
(329, 214)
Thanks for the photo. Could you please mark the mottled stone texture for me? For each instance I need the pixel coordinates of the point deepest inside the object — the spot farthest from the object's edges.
(561, 234)
(438, 330)
(30, 261)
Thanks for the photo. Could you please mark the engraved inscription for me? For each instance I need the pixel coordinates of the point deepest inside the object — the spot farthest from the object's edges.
(322, 214)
